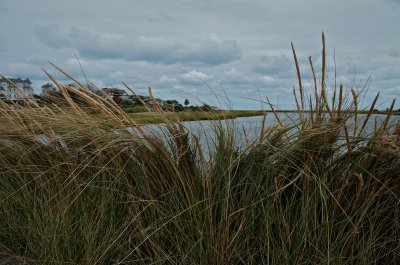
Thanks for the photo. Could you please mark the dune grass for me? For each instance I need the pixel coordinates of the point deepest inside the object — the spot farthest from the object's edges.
(78, 188)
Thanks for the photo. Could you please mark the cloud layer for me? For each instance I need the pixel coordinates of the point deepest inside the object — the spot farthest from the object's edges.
(154, 49)
(186, 48)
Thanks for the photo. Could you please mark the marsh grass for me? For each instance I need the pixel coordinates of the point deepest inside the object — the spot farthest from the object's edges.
(78, 187)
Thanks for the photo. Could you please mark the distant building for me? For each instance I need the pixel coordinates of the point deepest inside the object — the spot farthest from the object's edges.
(15, 88)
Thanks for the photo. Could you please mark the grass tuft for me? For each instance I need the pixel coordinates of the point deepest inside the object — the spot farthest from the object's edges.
(85, 184)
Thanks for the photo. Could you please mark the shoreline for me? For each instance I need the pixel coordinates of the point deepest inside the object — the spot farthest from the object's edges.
(155, 117)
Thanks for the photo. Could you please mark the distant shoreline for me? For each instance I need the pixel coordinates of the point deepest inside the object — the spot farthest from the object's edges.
(155, 117)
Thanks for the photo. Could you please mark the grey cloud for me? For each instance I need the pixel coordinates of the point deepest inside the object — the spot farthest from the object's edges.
(394, 3)
(268, 64)
(3, 9)
(395, 54)
(94, 45)
(36, 59)
(25, 70)
(388, 73)
(52, 35)
(161, 17)
(234, 77)
(194, 78)
(161, 50)
(167, 81)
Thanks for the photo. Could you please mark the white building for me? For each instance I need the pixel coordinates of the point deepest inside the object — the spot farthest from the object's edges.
(15, 88)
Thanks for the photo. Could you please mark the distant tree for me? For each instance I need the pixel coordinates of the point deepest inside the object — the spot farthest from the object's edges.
(172, 105)
(72, 85)
(186, 102)
(207, 107)
(48, 88)
(54, 97)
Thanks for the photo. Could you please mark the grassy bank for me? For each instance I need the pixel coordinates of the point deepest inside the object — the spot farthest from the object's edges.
(154, 117)
(78, 188)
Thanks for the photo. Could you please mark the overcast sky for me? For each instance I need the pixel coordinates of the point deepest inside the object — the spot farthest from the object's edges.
(199, 49)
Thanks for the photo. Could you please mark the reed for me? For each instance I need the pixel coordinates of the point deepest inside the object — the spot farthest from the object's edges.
(85, 184)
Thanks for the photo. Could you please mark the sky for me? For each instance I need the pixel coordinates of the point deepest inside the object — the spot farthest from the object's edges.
(227, 53)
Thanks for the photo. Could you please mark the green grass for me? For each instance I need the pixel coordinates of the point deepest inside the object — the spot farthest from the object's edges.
(145, 117)
(312, 191)
(154, 117)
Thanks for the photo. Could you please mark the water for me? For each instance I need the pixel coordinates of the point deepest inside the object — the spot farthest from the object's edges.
(249, 127)
(245, 128)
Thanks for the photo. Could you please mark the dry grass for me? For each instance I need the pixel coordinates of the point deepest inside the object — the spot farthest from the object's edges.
(78, 187)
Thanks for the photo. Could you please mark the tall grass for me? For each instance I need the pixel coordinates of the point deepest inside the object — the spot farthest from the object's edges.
(78, 187)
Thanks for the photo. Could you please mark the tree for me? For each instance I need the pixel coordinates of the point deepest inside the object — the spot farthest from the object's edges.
(172, 105)
(186, 102)
(48, 88)
(206, 107)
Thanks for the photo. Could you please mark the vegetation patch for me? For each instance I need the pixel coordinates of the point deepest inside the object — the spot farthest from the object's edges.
(85, 184)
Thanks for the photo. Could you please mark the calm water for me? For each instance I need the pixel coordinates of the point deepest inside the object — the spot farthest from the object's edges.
(249, 127)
